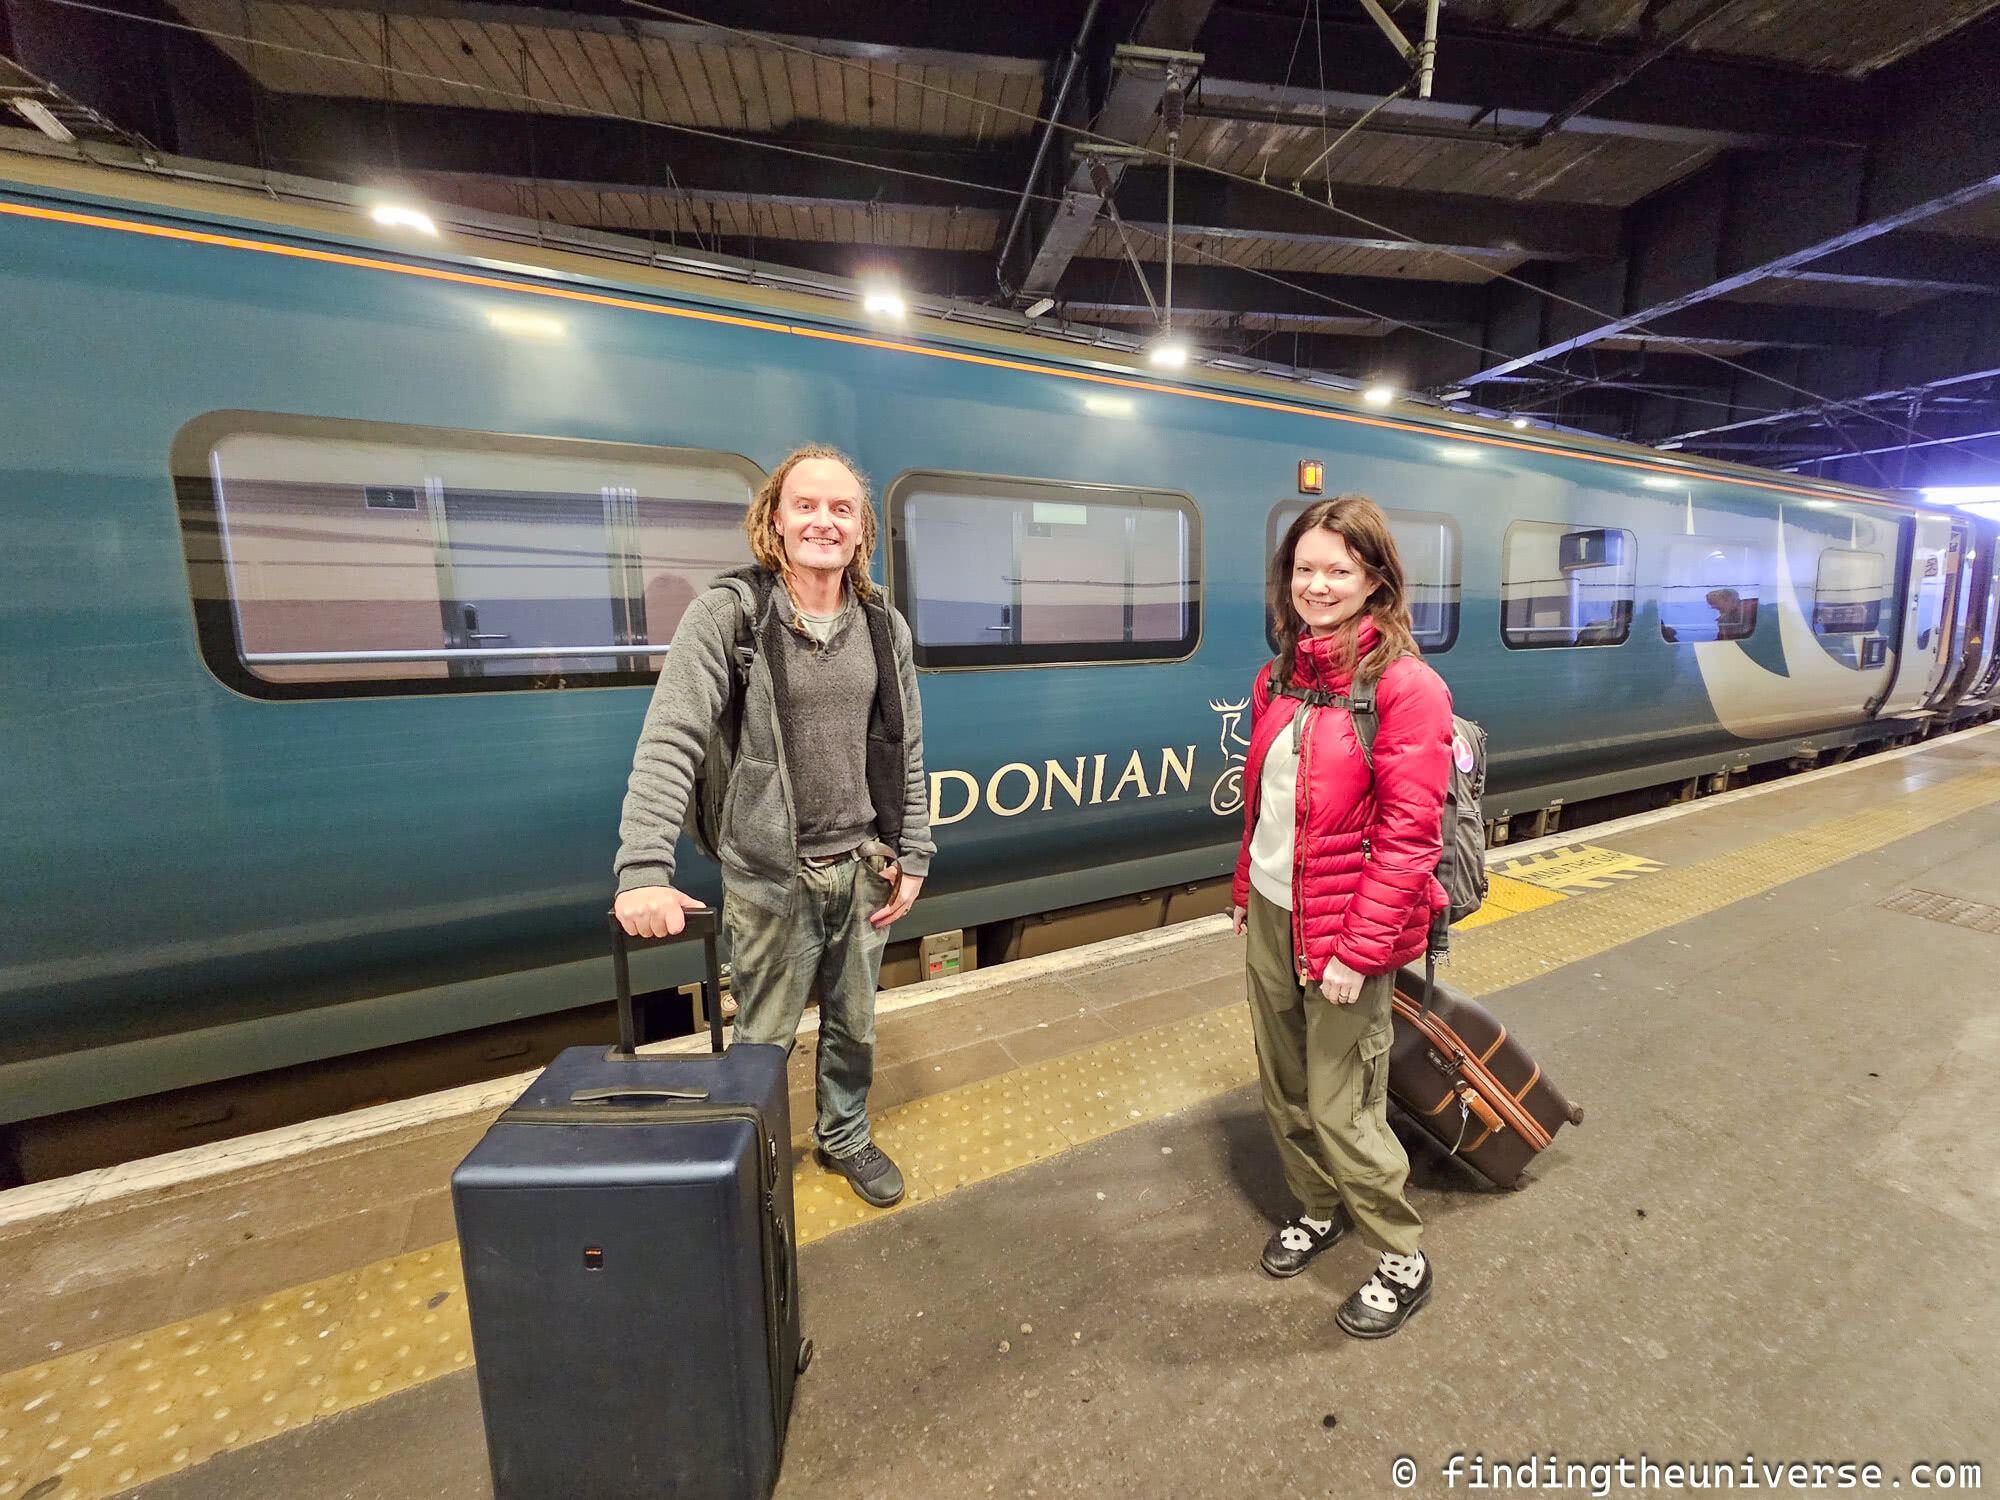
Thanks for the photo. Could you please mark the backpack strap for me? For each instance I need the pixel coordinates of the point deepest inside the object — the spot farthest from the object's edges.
(1367, 722)
(743, 650)
(1360, 708)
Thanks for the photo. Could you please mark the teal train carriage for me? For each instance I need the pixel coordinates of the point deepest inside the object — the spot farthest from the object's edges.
(337, 564)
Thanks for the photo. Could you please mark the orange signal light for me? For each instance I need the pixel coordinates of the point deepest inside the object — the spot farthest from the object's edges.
(1312, 476)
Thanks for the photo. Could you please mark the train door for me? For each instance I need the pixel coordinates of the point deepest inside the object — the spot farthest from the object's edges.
(1921, 640)
(528, 571)
(1981, 675)
(1973, 642)
(1947, 624)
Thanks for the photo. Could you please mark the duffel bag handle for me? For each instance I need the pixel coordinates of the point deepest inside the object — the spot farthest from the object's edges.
(701, 923)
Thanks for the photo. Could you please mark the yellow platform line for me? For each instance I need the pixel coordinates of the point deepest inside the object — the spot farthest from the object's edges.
(120, 1414)
(1507, 897)
(1541, 942)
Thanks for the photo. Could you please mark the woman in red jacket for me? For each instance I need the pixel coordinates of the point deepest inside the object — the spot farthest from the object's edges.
(1335, 883)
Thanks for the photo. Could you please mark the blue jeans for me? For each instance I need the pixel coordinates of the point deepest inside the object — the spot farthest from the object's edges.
(774, 963)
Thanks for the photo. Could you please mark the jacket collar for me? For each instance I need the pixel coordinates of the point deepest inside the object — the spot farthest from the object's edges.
(1314, 662)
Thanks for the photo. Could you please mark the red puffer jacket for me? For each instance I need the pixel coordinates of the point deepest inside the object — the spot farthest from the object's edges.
(1365, 848)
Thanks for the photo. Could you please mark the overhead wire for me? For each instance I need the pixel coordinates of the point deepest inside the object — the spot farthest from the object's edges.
(805, 153)
(1636, 329)
(556, 102)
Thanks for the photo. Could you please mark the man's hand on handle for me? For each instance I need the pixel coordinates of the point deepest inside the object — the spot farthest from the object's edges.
(654, 911)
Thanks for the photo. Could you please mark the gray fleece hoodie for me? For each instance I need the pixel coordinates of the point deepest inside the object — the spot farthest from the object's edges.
(758, 839)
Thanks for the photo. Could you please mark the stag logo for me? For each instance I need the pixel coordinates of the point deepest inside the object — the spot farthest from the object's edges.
(1226, 796)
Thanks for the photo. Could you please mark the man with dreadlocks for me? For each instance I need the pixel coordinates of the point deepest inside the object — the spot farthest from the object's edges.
(824, 832)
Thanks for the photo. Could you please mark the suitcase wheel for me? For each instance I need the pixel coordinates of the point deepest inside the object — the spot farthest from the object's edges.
(805, 1355)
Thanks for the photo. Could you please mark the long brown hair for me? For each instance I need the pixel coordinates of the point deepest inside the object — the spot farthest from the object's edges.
(760, 522)
(1360, 523)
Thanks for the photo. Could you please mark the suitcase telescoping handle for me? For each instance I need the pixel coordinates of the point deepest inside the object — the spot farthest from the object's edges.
(701, 923)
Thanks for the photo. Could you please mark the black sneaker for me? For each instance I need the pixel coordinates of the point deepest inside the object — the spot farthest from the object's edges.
(1293, 1247)
(1384, 1302)
(875, 1179)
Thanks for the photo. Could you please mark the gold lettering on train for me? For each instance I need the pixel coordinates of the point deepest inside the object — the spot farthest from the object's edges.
(1016, 787)
(1054, 774)
(1135, 770)
(993, 789)
(965, 779)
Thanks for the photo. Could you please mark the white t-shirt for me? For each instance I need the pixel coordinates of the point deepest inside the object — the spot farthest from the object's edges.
(1277, 813)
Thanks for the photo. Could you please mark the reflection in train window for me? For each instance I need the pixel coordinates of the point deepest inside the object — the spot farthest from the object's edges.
(1566, 585)
(1427, 543)
(1711, 590)
(331, 557)
(1013, 572)
(1849, 599)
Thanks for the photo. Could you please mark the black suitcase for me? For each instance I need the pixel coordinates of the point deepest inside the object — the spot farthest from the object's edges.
(626, 1231)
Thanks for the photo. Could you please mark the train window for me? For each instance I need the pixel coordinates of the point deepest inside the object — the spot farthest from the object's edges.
(995, 572)
(1850, 598)
(1566, 585)
(331, 557)
(1428, 544)
(1711, 590)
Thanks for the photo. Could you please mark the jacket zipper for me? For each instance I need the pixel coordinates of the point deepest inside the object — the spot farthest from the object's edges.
(1304, 721)
(1303, 801)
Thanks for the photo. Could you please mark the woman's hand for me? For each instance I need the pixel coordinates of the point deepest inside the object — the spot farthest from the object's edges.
(1339, 983)
(1238, 915)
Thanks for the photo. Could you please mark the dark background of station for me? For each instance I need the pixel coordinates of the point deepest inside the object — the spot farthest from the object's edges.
(1804, 188)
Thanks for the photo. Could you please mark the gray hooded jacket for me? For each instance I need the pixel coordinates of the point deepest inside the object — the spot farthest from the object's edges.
(758, 833)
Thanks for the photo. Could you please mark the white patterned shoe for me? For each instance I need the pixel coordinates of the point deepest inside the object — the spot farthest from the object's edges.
(1293, 1247)
(1401, 1284)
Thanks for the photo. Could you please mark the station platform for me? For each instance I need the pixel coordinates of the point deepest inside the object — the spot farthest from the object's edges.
(1772, 1239)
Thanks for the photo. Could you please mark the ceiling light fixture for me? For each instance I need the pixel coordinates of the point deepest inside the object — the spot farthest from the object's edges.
(1167, 353)
(44, 119)
(1518, 422)
(1039, 306)
(1379, 395)
(401, 216)
(883, 302)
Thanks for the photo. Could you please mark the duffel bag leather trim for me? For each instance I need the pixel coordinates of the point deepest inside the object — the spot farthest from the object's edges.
(1507, 1108)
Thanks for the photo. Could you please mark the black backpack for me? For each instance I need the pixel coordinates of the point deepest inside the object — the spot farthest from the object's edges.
(711, 777)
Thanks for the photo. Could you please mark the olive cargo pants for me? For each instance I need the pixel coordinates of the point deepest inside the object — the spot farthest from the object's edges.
(1325, 1075)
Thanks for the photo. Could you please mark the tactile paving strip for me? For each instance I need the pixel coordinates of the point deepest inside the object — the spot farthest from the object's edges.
(1541, 942)
(101, 1420)
(1507, 897)
(124, 1413)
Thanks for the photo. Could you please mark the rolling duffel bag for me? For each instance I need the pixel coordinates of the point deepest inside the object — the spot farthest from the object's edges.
(1467, 1083)
(626, 1229)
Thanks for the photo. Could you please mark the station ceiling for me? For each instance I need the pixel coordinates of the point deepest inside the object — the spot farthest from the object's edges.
(1763, 229)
